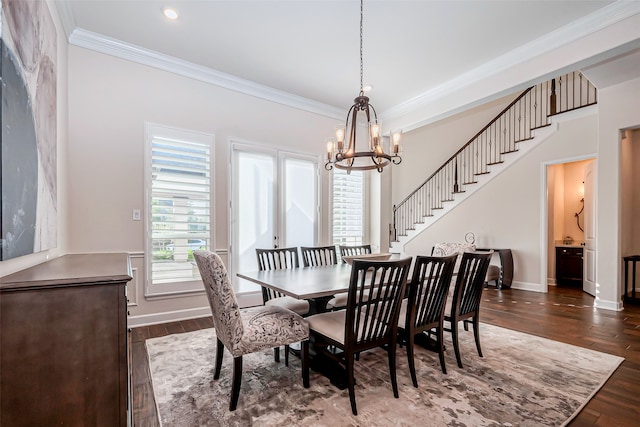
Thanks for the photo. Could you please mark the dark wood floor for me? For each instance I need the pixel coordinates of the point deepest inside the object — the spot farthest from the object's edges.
(563, 314)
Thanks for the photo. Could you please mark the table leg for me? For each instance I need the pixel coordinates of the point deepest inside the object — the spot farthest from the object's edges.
(319, 305)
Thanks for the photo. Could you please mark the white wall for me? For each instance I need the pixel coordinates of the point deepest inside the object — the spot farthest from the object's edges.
(508, 212)
(619, 109)
(20, 263)
(110, 100)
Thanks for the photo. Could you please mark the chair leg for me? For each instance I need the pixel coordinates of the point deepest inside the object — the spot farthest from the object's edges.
(286, 355)
(237, 379)
(410, 357)
(392, 369)
(441, 349)
(304, 355)
(219, 353)
(349, 359)
(476, 333)
(276, 354)
(454, 337)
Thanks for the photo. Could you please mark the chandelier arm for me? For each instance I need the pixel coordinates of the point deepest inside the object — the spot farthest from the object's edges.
(352, 131)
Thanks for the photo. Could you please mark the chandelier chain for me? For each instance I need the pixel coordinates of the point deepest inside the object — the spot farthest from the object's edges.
(361, 63)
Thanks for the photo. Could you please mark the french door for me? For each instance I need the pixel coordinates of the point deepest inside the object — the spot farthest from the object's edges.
(274, 202)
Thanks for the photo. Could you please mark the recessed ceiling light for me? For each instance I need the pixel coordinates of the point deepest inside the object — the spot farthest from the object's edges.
(170, 13)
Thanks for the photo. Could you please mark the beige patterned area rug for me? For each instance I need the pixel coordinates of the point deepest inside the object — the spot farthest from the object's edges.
(522, 380)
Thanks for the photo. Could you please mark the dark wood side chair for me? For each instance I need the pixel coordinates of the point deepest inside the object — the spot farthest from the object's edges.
(340, 301)
(370, 320)
(354, 250)
(464, 306)
(423, 310)
(281, 259)
(248, 330)
(318, 255)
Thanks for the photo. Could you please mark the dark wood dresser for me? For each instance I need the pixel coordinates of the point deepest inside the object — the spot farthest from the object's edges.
(63, 343)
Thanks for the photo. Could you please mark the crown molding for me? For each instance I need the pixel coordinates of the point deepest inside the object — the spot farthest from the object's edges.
(598, 20)
(110, 46)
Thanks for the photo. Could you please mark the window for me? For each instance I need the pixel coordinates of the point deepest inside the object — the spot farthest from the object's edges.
(179, 206)
(348, 207)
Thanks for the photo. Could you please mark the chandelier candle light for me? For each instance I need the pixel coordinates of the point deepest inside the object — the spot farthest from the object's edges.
(346, 156)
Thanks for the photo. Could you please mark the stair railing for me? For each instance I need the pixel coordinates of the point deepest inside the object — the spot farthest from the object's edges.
(513, 125)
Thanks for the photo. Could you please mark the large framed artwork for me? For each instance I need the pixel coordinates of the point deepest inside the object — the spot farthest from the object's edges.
(28, 178)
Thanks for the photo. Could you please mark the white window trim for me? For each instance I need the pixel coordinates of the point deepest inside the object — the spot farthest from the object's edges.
(183, 287)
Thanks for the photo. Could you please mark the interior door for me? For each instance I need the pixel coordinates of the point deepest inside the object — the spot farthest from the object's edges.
(589, 251)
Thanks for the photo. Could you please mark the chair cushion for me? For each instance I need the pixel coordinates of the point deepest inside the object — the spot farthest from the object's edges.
(330, 324)
(296, 305)
(339, 301)
(403, 313)
(268, 327)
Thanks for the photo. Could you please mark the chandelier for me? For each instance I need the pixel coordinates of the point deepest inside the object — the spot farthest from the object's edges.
(362, 123)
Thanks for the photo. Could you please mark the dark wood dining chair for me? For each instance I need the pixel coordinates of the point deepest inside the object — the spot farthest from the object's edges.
(370, 320)
(354, 250)
(340, 300)
(318, 255)
(248, 330)
(464, 305)
(423, 310)
(281, 259)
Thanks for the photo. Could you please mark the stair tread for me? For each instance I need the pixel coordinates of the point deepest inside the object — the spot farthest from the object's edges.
(524, 140)
(510, 151)
(495, 163)
(470, 182)
(482, 173)
(540, 127)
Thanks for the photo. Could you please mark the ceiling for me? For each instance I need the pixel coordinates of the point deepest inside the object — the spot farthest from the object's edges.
(311, 48)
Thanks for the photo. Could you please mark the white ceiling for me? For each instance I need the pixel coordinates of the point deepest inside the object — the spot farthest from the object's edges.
(311, 48)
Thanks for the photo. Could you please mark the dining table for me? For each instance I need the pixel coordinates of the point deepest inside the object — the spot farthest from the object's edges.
(317, 285)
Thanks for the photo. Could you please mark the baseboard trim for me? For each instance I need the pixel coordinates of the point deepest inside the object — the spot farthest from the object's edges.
(526, 286)
(249, 299)
(608, 305)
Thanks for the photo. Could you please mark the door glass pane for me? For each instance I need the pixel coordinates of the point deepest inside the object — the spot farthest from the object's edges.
(300, 202)
(255, 208)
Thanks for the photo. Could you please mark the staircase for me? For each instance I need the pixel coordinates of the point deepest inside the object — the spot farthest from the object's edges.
(510, 135)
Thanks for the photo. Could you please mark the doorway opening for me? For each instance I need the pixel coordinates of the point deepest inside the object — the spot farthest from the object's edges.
(570, 238)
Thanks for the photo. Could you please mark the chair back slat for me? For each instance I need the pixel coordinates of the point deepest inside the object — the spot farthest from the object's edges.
(276, 259)
(470, 281)
(428, 290)
(375, 291)
(224, 306)
(318, 255)
(354, 250)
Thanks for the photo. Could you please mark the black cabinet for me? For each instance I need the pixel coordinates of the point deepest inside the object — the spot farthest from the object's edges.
(569, 266)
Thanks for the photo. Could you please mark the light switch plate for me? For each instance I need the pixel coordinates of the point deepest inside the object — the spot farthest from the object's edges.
(136, 214)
